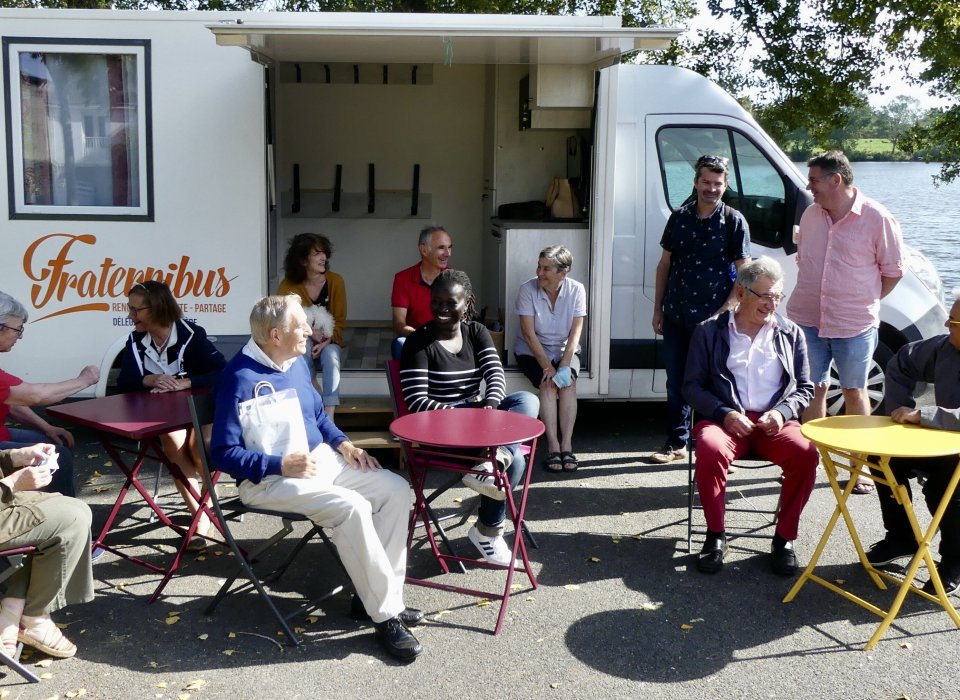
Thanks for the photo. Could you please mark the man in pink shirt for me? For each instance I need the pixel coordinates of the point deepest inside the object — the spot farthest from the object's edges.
(850, 256)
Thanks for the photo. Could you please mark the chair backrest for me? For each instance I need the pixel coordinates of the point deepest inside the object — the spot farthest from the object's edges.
(396, 392)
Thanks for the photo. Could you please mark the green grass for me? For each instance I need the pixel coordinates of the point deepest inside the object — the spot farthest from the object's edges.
(873, 146)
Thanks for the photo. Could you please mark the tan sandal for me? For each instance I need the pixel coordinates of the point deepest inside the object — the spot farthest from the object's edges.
(48, 638)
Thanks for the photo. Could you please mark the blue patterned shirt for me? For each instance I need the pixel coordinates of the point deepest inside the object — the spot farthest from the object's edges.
(701, 253)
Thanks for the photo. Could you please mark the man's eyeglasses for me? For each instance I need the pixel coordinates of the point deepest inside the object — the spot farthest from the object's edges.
(950, 322)
(18, 331)
(772, 298)
(812, 179)
(136, 309)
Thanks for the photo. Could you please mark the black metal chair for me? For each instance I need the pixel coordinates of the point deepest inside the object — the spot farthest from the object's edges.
(746, 463)
(10, 561)
(201, 411)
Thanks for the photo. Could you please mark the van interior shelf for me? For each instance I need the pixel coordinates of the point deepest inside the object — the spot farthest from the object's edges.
(389, 204)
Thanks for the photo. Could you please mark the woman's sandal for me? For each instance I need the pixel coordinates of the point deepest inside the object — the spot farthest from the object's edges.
(553, 463)
(569, 461)
(10, 624)
(48, 638)
(863, 487)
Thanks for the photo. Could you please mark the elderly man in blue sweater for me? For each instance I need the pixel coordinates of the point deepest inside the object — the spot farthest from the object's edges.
(334, 483)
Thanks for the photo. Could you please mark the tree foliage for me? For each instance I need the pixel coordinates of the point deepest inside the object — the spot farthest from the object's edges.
(813, 60)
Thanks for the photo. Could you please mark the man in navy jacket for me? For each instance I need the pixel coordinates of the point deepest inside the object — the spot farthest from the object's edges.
(747, 377)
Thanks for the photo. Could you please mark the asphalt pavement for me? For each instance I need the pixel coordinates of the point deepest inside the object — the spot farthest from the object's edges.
(620, 610)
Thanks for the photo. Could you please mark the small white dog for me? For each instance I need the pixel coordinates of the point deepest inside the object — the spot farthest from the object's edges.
(320, 320)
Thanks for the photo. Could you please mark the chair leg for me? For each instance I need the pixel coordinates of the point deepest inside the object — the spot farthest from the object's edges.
(15, 665)
(275, 575)
(531, 540)
(691, 485)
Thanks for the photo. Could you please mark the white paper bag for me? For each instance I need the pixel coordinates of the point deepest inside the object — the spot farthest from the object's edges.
(272, 422)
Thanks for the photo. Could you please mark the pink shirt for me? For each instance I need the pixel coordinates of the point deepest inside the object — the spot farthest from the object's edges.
(840, 265)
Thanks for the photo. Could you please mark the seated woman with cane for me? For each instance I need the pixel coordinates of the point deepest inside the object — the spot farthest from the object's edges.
(59, 572)
(441, 366)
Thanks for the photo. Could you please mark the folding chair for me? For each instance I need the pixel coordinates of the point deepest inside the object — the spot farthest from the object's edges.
(746, 463)
(201, 411)
(400, 409)
(10, 561)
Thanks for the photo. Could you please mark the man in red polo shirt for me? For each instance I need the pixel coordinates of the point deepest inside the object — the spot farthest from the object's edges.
(411, 287)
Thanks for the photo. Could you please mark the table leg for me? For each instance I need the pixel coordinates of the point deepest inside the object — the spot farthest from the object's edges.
(830, 468)
(923, 554)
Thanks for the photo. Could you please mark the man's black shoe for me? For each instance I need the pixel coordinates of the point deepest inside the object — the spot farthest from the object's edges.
(411, 617)
(710, 559)
(949, 577)
(394, 636)
(888, 550)
(783, 559)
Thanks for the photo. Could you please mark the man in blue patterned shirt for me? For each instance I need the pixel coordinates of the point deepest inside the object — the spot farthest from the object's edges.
(694, 281)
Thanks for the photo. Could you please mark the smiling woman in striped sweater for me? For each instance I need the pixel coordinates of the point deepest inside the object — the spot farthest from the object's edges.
(442, 365)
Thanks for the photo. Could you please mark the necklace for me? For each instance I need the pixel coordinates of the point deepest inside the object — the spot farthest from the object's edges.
(163, 346)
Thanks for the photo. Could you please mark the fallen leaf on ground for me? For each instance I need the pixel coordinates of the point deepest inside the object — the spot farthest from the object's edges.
(231, 635)
(840, 581)
(482, 603)
(201, 558)
(615, 540)
(96, 474)
(218, 552)
(161, 684)
(203, 636)
(516, 586)
(228, 652)
(172, 620)
(299, 630)
(195, 685)
(458, 500)
(78, 693)
(120, 586)
(153, 664)
(557, 502)
(43, 663)
(554, 685)
(312, 619)
(594, 560)
(572, 587)
(4, 693)
(101, 489)
(906, 645)
(686, 627)
(650, 606)
(531, 599)
(46, 676)
(638, 536)
(183, 696)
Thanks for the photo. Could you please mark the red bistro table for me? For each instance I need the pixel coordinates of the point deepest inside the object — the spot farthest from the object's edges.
(462, 434)
(144, 417)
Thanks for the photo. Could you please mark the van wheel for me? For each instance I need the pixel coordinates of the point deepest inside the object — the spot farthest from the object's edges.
(881, 356)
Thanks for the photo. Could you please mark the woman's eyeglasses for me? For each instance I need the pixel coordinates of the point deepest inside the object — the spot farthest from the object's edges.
(18, 331)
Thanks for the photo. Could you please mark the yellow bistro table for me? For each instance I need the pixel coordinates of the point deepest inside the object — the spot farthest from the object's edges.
(852, 438)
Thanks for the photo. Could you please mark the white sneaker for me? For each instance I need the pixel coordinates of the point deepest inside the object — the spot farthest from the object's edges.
(492, 549)
(481, 481)
(504, 458)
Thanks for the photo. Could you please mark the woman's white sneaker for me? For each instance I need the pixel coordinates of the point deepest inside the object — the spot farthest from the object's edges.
(482, 481)
(492, 549)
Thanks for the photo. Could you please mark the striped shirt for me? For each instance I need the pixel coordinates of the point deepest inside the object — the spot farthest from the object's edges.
(432, 377)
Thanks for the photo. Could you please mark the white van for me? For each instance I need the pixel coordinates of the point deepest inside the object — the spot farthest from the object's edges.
(192, 146)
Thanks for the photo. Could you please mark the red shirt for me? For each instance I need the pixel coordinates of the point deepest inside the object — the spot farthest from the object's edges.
(410, 292)
(6, 381)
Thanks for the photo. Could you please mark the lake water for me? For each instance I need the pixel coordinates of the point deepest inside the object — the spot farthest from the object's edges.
(929, 215)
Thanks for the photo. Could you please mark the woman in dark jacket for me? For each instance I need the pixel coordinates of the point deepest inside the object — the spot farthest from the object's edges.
(166, 353)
